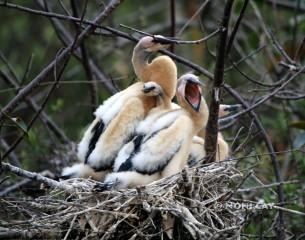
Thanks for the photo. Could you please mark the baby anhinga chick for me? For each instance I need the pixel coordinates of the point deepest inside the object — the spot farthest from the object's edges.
(162, 149)
(197, 152)
(118, 117)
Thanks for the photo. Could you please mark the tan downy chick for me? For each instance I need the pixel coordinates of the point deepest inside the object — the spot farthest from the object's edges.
(117, 118)
(223, 150)
(163, 150)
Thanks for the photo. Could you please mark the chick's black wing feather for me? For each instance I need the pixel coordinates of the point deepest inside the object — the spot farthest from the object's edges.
(97, 130)
(127, 165)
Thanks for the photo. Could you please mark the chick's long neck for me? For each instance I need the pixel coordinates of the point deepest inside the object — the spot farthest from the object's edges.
(140, 61)
(199, 118)
(164, 102)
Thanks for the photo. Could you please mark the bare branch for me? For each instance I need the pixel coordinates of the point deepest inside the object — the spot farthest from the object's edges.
(33, 105)
(35, 176)
(13, 157)
(270, 95)
(173, 22)
(210, 144)
(57, 78)
(280, 230)
(236, 26)
(61, 58)
(166, 40)
(203, 5)
(85, 57)
(65, 37)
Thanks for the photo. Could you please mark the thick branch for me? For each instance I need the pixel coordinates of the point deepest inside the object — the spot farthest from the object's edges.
(212, 126)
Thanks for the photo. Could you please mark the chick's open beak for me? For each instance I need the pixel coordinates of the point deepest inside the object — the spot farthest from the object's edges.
(193, 93)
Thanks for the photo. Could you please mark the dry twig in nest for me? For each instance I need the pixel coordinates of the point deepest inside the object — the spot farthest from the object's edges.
(137, 213)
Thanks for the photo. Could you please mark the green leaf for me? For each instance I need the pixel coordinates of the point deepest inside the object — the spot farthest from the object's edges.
(299, 125)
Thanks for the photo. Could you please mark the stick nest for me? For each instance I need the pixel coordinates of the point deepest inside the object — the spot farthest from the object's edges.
(186, 206)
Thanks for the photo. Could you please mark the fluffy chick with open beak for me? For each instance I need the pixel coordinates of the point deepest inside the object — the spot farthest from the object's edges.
(161, 150)
(117, 118)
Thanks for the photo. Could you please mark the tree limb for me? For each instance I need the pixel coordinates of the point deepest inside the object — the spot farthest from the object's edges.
(210, 144)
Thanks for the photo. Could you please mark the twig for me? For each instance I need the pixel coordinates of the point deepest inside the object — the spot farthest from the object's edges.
(8, 65)
(4, 179)
(270, 34)
(36, 177)
(291, 67)
(64, 8)
(70, 228)
(294, 96)
(173, 22)
(27, 70)
(57, 78)
(279, 48)
(299, 50)
(245, 58)
(288, 210)
(14, 187)
(268, 186)
(28, 233)
(13, 157)
(48, 70)
(270, 95)
(287, 5)
(23, 182)
(84, 56)
(255, 81)
(295, 25)
(65, 37)
(280, 231)
(115, 32)
(166, 40)
(236, 26)
(188, 63)
(33, 105)
(210, 144)
(203, 5)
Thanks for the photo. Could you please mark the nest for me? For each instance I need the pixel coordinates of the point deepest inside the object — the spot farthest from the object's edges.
(184, 206)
